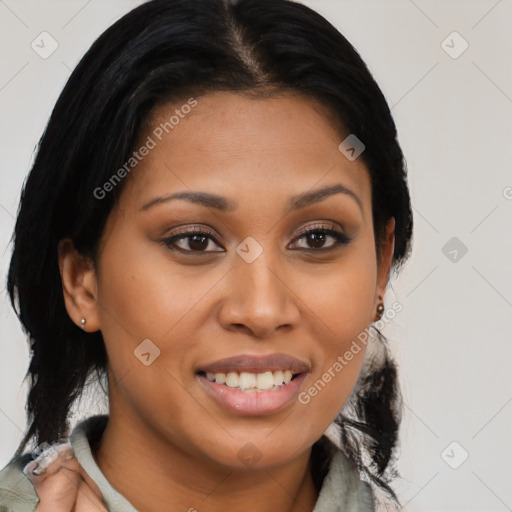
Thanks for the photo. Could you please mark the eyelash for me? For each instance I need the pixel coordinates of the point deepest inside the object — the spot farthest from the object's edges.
(340, 238)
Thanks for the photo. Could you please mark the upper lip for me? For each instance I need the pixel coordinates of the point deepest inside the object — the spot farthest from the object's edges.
(256, 364)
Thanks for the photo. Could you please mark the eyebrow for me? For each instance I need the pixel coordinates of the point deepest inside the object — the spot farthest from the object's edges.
(225, 205)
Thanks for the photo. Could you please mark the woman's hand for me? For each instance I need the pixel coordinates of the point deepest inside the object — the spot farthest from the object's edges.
(62, 485)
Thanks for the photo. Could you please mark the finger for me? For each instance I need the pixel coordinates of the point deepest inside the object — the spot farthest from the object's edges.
(51, 465)
(67, 491)
(49, 460)
(88, 501)
(57, 479)
(58, 492)
(90, 482)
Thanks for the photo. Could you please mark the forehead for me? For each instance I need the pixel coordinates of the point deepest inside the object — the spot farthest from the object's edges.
(243, 147)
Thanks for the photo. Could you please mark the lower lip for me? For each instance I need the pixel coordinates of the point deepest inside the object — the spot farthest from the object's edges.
(255, 403)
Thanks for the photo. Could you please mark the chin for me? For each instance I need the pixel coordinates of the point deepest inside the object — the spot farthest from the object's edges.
(257, 452)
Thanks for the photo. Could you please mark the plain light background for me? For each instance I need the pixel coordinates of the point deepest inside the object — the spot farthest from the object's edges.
(453, 113)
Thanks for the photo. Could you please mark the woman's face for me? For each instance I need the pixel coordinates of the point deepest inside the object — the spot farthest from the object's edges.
(227, 271)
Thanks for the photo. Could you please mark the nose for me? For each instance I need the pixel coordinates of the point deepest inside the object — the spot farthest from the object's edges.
(259, 298)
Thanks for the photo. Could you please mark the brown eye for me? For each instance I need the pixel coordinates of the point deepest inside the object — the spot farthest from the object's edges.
(317, 236)
(195, 240)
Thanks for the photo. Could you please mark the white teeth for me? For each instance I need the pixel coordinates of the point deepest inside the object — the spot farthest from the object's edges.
(232, 379)
(264, 380)
(278, 378)
(247, 380)
(252, 381)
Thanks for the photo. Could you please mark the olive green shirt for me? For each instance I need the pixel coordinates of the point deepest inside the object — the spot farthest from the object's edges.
(342, 489)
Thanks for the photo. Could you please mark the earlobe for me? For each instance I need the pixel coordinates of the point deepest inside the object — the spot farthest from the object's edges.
(384, 267)
(79, 286)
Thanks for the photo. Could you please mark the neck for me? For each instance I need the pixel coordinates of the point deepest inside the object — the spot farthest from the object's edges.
(172, 479)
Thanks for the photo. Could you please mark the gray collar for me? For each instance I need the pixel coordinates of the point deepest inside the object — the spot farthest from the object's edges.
(342, 489)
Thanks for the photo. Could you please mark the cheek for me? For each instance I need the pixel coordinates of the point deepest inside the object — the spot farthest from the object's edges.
(339, 358)
(344, 305)
(342, 299)
(141, 294)
(137, 303)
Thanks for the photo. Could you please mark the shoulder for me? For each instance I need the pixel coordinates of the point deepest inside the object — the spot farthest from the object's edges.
(17, 494)
(342, 488)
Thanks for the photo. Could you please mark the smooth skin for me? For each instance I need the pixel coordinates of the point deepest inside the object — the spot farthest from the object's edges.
(168, 445)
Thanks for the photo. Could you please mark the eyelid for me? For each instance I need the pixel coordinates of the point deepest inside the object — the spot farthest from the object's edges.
(200, 229)
(186, 232)
(326, 224)
(330, 230)
(191, 229)
(327, 227)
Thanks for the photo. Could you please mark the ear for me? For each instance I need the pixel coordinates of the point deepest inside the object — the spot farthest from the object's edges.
(79, 285)
(384, 265)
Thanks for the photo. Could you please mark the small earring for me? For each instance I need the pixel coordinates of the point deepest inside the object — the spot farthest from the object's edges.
(380, 308)
(82, 323)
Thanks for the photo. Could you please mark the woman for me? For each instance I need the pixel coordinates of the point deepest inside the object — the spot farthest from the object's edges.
(209, 225)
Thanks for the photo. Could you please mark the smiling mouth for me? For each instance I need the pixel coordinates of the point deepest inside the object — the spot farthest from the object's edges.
(251, 382)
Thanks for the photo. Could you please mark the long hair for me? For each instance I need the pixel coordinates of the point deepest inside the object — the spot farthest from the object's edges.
(162, 51)
(370, 420)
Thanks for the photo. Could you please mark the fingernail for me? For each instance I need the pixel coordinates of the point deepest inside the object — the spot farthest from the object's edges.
(37, 470)
(33, 468)
(28, 467)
